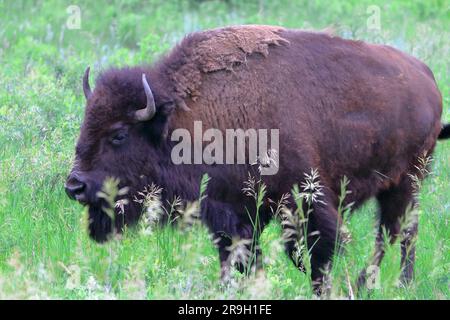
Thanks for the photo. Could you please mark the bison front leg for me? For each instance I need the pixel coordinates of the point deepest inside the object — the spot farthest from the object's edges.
(294, 253)
(235, 237)
(322, 241)
(223, 242)
(240, 251)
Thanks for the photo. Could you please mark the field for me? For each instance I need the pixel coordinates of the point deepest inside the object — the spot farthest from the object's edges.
(45, 252)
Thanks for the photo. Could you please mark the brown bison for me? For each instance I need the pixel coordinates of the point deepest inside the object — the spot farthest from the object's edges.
(342, 107)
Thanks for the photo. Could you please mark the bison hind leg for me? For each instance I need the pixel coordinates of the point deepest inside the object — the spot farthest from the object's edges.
(396, 212)
(408, 249)
(323, 241)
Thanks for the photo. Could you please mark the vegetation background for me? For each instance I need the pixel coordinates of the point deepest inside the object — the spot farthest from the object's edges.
(44, 249)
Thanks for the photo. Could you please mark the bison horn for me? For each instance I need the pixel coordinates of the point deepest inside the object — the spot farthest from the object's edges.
(149, 111)
(86, 87)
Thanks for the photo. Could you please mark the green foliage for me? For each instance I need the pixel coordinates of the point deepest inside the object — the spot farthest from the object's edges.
(44, 247)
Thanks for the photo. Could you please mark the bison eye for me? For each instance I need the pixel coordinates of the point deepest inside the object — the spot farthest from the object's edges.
(119, 138)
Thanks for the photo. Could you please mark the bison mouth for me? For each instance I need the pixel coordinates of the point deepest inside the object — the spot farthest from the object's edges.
(106, 209)
(106, 220)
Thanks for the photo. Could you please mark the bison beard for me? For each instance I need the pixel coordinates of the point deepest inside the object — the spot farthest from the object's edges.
(99, 224)
(346, 108)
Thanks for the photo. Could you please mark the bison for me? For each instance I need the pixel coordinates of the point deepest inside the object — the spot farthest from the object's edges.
(343, 108)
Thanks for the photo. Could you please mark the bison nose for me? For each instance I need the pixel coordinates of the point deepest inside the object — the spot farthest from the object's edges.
(75, 187)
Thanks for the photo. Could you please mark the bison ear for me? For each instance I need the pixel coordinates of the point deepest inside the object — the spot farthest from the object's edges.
(166, 108)
(157, 128)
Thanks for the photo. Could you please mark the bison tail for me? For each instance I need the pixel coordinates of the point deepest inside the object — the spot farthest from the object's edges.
(445, 132)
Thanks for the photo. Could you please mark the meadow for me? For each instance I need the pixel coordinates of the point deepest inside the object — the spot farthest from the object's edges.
(45, 252)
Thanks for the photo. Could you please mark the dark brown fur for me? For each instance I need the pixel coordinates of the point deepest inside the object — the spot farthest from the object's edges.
(343, 107)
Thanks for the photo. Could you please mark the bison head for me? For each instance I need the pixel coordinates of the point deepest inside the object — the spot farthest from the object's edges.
(121, 137)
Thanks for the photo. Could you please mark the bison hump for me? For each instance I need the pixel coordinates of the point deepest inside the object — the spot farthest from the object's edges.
(226, 47)
(220, 49)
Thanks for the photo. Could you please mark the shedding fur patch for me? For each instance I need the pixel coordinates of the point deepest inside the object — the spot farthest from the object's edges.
(222, 49)
(232, 45)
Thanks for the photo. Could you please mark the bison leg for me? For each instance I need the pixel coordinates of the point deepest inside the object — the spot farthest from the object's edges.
(408, 248)
(243, 253)
(394, 205)
(323, 239)
(223, 242)
(293, 252)
(235, 237)
(294, 242)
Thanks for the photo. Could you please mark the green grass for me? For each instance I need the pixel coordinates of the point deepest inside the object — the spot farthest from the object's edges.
(44, 249)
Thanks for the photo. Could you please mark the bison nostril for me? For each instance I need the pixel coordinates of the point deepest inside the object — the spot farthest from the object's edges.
(74, 187)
